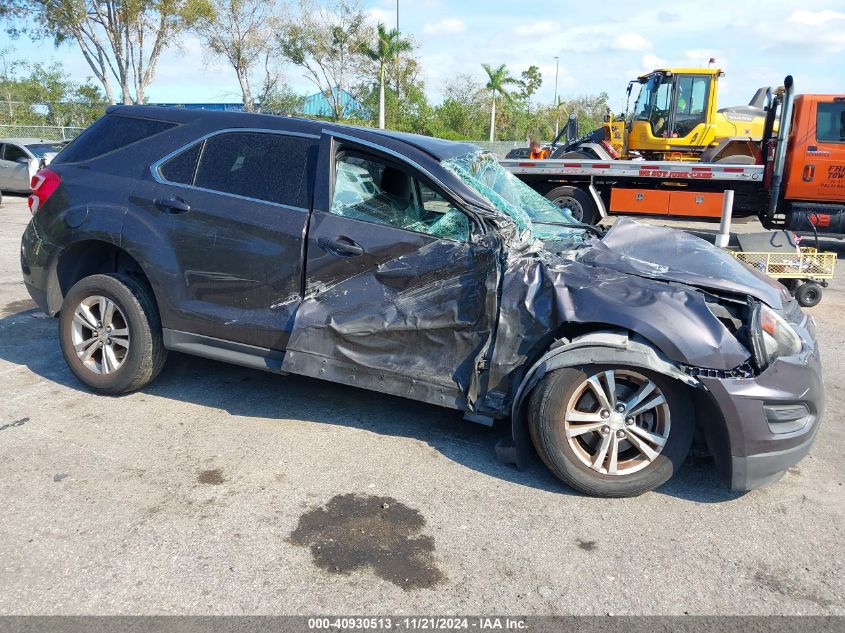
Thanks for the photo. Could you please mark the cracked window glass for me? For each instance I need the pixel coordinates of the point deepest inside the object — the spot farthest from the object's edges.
(374, 192)
(528, 209)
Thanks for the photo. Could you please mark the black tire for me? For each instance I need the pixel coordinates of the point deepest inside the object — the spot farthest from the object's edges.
(809, 294)
(144, 357)
(547, 410)
(578, 201)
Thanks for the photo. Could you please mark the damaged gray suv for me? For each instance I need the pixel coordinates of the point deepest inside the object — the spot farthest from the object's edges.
(417, 267)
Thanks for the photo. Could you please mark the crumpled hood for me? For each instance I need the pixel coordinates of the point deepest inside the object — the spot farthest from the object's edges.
(666, 254)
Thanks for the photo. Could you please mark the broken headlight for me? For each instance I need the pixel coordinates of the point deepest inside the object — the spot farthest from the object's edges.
(772, 336)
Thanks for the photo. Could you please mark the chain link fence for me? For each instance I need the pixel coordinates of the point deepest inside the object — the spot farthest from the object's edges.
(45, 132)
(500, 148)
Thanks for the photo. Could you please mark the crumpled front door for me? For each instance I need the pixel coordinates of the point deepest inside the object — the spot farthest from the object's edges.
(410, 315)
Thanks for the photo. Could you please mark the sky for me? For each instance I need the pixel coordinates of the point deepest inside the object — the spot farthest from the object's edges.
(600, 47)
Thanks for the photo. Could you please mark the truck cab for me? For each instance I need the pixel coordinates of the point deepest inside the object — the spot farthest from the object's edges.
(816, 164)
(674, 110)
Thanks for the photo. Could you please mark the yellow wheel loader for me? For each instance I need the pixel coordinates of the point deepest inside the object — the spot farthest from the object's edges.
(675, 117)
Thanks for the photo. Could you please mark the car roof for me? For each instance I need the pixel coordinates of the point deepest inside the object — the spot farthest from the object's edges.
(438, 149)
(28, 141)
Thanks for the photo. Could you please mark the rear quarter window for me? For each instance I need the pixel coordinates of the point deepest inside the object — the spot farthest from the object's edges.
(109, 133)
(182, 168)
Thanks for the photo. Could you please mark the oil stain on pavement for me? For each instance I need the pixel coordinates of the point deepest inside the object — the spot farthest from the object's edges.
(19, 306)
(212, 477)
(353, 532)
(588, 546)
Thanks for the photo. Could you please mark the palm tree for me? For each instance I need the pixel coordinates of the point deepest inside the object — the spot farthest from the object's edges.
(388, 47)
(499, 78)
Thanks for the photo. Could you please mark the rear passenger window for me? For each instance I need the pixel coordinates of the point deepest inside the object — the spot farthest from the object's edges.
(260, 165)
(107, 134)
(830, 122)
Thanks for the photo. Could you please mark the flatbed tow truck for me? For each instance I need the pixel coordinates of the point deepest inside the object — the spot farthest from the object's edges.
(799, 184)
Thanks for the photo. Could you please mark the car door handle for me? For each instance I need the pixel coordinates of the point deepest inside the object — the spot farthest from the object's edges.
(173, 205)
(341, 246)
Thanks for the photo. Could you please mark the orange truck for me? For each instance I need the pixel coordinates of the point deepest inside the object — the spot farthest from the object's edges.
(797, 183)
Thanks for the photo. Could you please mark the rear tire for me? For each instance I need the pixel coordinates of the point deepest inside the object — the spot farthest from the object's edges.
(578, 201)
(577, 441)
(809, 294)
(110, 333)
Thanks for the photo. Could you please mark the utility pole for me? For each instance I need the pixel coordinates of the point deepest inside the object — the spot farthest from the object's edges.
(557, 112)
(396, 61)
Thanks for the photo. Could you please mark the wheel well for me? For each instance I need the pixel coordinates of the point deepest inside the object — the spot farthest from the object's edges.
(710, 426)
(93, 257)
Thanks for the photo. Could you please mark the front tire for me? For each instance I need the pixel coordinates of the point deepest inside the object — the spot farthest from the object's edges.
(110, 334)
(610, 431)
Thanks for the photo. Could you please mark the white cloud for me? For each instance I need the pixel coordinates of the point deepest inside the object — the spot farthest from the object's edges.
(815, 18)
(376, 15)
(650, 62)
(631, 42)
(543, 27)
(446, 25)
(701, 58)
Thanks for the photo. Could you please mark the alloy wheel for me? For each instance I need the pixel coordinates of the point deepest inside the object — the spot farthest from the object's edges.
(617, 422)
(100, 334)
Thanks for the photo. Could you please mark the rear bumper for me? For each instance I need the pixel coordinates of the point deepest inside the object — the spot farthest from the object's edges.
(39, 276)
(772, 419)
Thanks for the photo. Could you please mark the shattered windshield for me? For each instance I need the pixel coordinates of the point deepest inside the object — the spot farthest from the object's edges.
(529, 210)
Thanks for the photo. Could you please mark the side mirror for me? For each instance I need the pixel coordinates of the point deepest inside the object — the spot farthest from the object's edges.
(24, 160)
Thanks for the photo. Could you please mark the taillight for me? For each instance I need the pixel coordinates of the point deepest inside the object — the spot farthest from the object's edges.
(43, 184)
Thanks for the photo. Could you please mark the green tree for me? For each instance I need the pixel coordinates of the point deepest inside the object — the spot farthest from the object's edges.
(389, 45)
(243, 33)
(498, 79)
(460, 116)
(531, 81)
(406, 105)
(589, 109)
(39, 94)
(324, 40)
(282, 100)
(119, 39)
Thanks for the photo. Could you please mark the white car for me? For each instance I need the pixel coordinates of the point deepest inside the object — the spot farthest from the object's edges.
(20, 158)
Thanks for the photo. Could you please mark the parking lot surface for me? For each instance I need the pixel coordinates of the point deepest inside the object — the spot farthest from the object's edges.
(225, 490)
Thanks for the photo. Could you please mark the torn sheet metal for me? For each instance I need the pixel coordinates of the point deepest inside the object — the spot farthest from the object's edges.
(541, 296)
(670, 255)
